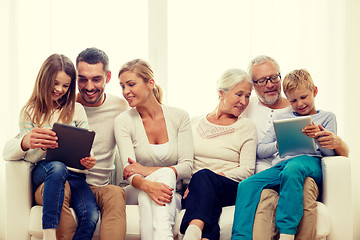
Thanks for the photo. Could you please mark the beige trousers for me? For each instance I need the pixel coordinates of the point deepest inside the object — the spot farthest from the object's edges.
(264, 222)
(111, 202)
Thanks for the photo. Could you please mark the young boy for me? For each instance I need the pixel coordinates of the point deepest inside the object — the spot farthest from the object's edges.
(287, 174)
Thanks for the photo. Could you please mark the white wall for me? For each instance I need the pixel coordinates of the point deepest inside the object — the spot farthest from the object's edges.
(205, 41)
(352, 131)
(6, 44)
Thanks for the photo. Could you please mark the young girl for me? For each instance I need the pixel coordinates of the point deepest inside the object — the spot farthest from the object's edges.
(53, 100)
(155, 145)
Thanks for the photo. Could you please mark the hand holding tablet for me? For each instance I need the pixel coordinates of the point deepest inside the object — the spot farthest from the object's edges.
(290, 138)
(74, 143)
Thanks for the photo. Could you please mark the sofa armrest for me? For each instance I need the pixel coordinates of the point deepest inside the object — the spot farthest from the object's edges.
(18, 198)
(337, 196)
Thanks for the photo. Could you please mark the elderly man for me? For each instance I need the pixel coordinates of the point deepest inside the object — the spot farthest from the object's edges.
(265, 73)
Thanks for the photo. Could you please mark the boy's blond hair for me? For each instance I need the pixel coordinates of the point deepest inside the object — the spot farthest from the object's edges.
(297, 78)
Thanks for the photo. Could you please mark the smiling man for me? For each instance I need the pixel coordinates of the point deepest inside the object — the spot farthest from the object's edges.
(91, 83)
(262, 109)
(101, 109)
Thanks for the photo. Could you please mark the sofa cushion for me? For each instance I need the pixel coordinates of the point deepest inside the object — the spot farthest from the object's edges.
(35, 222)
(225, 222)
(323, 221)
(132, 222)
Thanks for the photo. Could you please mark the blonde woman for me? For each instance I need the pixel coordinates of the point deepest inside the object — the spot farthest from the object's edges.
(155, 145)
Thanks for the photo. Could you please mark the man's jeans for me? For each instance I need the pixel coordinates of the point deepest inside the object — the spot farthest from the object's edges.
(54, 175)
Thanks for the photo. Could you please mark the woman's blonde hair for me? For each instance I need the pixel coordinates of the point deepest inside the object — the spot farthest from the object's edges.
(296, 78)
(40, 105)
(143, 70)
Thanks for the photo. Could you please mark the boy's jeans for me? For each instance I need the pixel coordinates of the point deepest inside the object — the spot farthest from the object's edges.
(289, 176)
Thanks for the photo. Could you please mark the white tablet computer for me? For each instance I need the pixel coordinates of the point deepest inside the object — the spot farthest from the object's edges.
(290, 139)
(74, 144)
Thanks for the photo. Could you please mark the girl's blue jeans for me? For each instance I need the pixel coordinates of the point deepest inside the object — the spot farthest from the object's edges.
(287, 177)
(54, 175)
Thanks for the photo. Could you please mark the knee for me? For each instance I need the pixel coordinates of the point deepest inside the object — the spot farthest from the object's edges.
(58, 169)
(56, 166)
(201, 175)
(268, 193)
(311, 190)
(204, 172)
(165, 175)
(249, 186)
(115, 195)
(119, 192)
(92, 217)
(165, 171)
(292, 171)
(269, 198)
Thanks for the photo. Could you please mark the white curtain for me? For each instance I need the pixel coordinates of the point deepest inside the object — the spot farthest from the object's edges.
(207, 37)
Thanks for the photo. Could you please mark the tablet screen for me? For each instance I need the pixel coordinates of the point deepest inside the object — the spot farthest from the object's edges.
(290, 138)
(74, 144)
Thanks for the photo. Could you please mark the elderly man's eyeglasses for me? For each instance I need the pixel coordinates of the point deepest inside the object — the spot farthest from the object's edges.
(273, 79)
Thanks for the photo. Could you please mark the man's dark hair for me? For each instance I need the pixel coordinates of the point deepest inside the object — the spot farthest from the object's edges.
(93, 56)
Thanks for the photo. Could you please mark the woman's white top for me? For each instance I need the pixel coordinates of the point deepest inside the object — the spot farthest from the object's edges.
(132, 141)
(160, 149)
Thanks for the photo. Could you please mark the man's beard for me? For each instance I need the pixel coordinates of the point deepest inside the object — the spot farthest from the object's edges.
(270, 101)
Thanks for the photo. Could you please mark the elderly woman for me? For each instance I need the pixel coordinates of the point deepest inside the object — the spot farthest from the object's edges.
(225, 153)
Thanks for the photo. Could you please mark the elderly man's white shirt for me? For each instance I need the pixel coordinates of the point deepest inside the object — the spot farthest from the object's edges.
(262, 116)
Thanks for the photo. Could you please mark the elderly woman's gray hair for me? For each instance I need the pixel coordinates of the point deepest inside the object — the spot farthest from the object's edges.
(230, 78)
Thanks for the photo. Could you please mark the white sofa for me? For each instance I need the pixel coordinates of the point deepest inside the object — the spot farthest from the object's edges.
(335, 221)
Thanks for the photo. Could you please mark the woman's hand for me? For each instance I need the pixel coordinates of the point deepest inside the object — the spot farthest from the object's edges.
(88, 162)
(135, 168)
(160, 193)
(311, 130)
(39, 138)
(186, 193)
